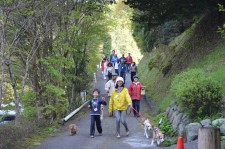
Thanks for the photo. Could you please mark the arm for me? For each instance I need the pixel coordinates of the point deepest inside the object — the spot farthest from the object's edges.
(130, 89)
(107, 86)
(128, 99)
(103, 101)
(111, 104)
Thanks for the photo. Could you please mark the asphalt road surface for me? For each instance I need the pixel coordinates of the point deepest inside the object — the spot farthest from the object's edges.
(108, 140)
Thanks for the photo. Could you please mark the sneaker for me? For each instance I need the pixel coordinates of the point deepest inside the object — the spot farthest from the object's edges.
(92, 136)
(127, 133)
(118, 136)
(100, 134)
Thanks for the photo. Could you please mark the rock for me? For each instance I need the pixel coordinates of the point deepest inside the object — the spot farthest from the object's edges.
(218, 122)
(167, 112)
(192, 131)
(206, 123)
(185, 119)
(181, 129)
(177, 121)
(173, 116)
(222, 130)
(170, 114)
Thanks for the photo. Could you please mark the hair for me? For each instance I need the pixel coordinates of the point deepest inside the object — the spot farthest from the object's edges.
(109, 64)
(134, 64)
(118, 86)
(96, 90)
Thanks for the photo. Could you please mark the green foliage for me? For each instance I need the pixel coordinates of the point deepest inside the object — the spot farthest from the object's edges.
(7, 93)
(166, 126)
(200, 92)
(221, 30)
(153, 61)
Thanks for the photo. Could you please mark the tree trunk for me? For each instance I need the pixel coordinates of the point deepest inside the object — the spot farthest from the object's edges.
(209, 138)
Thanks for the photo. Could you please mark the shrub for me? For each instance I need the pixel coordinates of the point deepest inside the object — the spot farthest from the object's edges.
(197, 94)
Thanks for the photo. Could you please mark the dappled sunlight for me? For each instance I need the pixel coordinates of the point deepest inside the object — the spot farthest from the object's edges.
(121, 31)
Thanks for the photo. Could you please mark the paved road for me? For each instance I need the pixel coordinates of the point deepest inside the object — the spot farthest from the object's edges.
(136, 139)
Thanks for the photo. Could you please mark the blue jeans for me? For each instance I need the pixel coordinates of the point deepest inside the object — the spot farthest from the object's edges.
(120, 117)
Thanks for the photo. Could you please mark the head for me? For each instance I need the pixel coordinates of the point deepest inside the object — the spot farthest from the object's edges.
(136, 78)
(119, 82)
(109, 65)
(122, 55)
(96, 93)
(128, 54)
(113, 51)
(133, 64)
(114, 76)
(147, 124)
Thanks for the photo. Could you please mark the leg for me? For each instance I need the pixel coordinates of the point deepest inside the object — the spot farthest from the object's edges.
(138, 105)
(117, 115)
(123, 119)
(98, 124)
(133, 104)
(92, 127)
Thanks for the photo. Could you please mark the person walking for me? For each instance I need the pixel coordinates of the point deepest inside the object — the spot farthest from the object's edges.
(133, 71)
(135, 93)
(123, 69)
(110, 85)
(129, 60)
(109, 71)
(95, 109)
(119, 102)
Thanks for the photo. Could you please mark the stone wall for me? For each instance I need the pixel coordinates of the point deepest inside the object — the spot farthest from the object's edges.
(188, 130)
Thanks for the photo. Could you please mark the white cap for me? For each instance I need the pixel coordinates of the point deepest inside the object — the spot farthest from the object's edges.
(119, 79)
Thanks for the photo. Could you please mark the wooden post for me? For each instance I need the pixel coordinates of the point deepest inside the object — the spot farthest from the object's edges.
(209, 138)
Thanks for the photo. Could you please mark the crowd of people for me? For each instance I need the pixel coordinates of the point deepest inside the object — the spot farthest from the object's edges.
(119, 98)
(121, 66)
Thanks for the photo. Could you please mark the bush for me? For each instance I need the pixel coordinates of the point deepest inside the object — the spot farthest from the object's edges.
(197, 94)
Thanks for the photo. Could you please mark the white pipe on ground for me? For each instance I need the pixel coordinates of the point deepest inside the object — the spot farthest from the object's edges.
(74, 112)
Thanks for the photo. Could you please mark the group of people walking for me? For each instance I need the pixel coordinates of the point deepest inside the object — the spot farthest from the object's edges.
(121, 66)
(119, 97)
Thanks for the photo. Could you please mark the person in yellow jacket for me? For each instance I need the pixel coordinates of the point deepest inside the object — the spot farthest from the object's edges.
(119, 102)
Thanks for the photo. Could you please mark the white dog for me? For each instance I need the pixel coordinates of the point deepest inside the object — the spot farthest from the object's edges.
(147, 127)
(157, 134)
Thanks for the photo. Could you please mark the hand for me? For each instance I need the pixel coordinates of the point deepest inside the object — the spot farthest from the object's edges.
(103, 98)
(107, 91)
(110, 114)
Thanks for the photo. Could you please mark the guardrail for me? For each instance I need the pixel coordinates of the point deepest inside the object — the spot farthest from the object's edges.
(74, 112)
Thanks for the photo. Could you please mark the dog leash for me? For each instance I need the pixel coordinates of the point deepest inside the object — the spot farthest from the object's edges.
(137, 112)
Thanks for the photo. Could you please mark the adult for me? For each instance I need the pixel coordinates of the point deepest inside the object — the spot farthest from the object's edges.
(129, 60)
(104, 67)
(133, 71)
(111, 55)
(135, 93)
(110, 85)
(119, 102)
(122, 58)
(123, 69)
(109, 71)
(114, 59)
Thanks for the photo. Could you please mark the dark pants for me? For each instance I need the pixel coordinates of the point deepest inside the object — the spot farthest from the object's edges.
(136, 105)
(132, 75)
(123, 75)
(95, 119)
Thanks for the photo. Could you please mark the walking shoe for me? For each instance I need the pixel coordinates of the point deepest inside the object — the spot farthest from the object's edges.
(118, 136)
(92, 136)
(100, 134)
(128, 133)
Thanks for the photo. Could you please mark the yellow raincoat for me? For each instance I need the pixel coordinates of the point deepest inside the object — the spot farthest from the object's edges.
(119, 100)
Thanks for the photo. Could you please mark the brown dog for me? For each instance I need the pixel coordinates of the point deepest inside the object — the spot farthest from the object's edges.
(73, 129)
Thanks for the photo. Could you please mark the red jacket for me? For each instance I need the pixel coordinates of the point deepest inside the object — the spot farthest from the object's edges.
(129, 59)
(135, 90)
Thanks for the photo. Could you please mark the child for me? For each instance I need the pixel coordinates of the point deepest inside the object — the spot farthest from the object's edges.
(95, 108)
